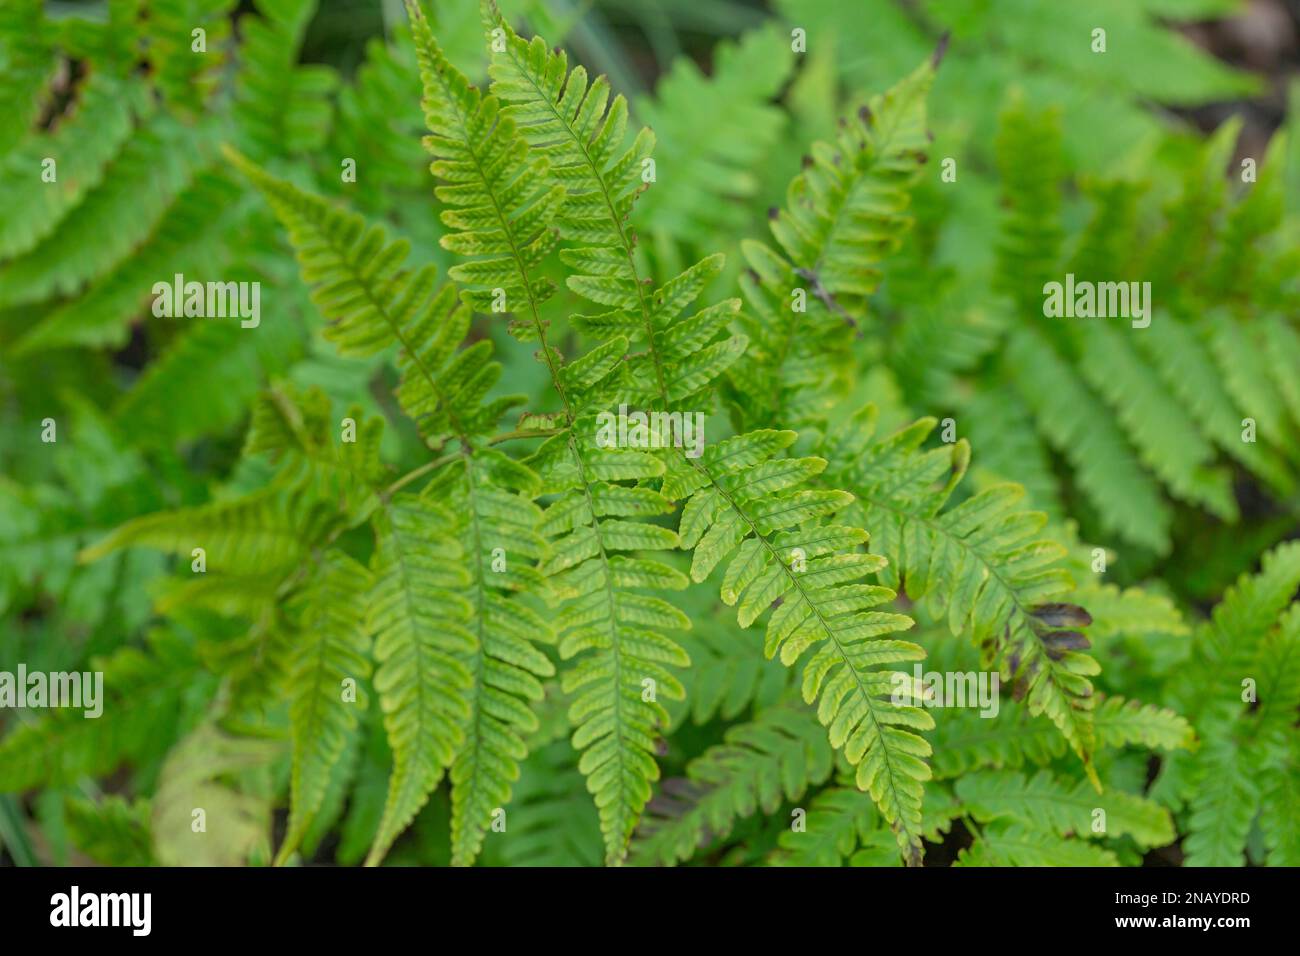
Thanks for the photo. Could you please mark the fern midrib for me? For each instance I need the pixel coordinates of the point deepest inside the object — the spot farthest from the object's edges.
(473, 741)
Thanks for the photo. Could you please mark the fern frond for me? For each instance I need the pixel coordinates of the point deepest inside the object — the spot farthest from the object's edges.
(500, 204)
(1249, 225)
(280, 108)
(715, 133)
(266, 532)
(139, 186)
(111, 831)
(331, 648)
(841, 824)
(1165, 436)
(1119, 722)
(1014, 844)
(752, 506)
(963, 741)
(848, 207)
(844, 214)
(186, 80)
(566, 120)
(1278, 818)
(982, 564)
(1246, 374)
(1045, 802)
(492, 497)
(376, 123)
(778, 756)
(82, 145)
(1002, 428)
(1029, 242)
(357, 281)
(1250, 608)
(1226, 801)
(148, 692)
(186, 239)
(619, 631)
(1254, 631)
(537, 80)
(1104, 464)
(298, 432)
(502, 214)
(228, 777)
(418, 618)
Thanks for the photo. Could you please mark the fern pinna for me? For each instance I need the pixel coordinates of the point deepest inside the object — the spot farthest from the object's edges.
(454, 605)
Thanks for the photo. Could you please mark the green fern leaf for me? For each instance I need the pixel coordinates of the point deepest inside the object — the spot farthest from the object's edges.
(280, 108)
(332, 648)
(82, 147)
(1050, 804)
(501, 216)
(111, 831)
(357, 281)
(748, 504)
(499, 205)
(1013, 844)
(777, 756)
(144, 692)
(498, 525)
(267, 532)
(980, 564)
(418, 618)
(844, 214)
(841, 824)
(715, 134)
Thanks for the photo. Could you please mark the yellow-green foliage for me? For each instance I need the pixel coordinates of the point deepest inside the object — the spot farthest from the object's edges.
(375, 565)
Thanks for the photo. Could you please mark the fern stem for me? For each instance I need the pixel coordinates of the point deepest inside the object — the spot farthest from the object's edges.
(417, 473)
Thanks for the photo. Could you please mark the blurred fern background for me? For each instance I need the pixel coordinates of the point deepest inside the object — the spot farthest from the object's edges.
(1122, 165)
